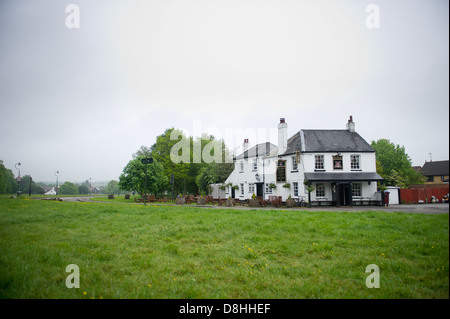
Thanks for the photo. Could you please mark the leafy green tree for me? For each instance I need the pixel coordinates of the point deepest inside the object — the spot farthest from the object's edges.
(170, 140)
(143, 151)
(83, 189)
(394, 164)
(194, 162)
(8, 184)
(133, 177)
(68, 188)
(112, 187)
(27, 182)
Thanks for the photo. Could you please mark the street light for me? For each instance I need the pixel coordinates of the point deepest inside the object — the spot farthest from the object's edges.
(56, 188)
(18, 179)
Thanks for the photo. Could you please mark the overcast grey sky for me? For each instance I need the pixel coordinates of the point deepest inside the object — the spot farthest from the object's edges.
(82, 100)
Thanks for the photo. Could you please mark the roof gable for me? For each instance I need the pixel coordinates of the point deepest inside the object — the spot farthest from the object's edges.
(435, 168)
(262, 149)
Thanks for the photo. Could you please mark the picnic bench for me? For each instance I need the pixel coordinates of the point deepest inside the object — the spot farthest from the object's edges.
(320, 200)
(218, 201)
(150, 199)
(365, 201)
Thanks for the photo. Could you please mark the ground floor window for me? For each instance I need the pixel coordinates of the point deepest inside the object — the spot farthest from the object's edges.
(295, 187)
(242, 189)
(268, 189)
(320, 190)
(356, 189)
(251, 188)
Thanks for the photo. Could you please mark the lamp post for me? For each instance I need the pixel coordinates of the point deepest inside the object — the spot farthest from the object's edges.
(56, 188)
(18, 179)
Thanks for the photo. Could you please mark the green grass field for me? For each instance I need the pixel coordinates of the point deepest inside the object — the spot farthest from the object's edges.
(156, 251)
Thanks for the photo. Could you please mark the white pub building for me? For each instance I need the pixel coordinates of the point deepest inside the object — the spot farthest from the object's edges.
(338, 164)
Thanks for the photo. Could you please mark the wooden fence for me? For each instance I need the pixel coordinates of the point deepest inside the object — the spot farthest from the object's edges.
(414, 195)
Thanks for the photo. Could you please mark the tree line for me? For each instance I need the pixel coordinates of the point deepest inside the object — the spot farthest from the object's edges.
(192, 176)
(195, 176)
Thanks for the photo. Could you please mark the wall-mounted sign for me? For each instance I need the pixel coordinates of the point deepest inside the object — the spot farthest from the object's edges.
(337, 162)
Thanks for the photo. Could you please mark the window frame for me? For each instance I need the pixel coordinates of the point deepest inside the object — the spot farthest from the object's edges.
(295, 188)
(319, 160)
(280, 169)
(255, 164)
(322, 189)
(294, 166)
(355, 165)
(356, 190)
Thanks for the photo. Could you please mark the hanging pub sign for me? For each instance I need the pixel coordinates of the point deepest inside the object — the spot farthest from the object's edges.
(297, 157)
(337, 162)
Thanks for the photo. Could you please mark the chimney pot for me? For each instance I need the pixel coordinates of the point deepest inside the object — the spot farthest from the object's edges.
(351, 124)
(282, 120)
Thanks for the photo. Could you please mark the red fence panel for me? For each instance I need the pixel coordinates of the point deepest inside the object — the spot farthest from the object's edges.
(414, 195)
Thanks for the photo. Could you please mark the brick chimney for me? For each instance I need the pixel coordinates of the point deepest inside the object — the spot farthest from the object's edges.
(282, 136)
(351, 125)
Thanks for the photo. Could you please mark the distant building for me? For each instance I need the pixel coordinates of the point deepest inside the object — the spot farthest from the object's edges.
(94, 190)
(436, 172)
(51, 192)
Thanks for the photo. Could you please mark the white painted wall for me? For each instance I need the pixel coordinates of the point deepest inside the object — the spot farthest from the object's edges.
(393, 195)
(367, 162)
(307, 164)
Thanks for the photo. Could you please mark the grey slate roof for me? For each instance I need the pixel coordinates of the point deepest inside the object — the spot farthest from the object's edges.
(334, 141)
(262, 149)
(436, 168)
(316, 141)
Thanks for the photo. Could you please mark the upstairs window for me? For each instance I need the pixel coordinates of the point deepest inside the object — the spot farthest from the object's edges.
(255, 164)
(294, 163)
(355, 162)
(319, 162)
(281, 171)
(241, 166)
